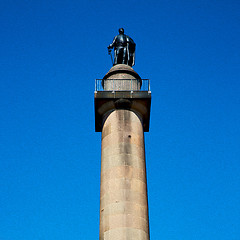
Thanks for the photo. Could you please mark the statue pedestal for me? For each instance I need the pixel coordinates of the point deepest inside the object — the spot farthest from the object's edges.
(122, 77)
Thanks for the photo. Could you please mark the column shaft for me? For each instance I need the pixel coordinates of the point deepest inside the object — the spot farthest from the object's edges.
(123, 200)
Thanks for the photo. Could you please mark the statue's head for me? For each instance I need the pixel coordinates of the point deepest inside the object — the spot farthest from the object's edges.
(121, 31)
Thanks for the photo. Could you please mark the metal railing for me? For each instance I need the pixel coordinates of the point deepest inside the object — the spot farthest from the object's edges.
(113, 85)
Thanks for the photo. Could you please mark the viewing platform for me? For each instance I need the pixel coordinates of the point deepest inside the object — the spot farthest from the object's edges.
(131, 94)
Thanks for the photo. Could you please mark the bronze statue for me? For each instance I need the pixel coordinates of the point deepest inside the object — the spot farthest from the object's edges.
(124, 49)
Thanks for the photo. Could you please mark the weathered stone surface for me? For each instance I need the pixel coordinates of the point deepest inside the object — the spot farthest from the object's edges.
(125, 207)
(123, 200)
(121, 77)
(124, 234)
(124, 220)
(121, 159)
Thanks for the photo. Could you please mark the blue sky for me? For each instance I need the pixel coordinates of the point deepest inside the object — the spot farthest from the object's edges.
(50, 54)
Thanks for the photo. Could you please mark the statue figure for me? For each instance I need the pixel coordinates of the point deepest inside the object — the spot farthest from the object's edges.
(124, 49)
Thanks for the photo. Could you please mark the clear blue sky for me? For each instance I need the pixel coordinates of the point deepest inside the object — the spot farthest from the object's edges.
(50, 54)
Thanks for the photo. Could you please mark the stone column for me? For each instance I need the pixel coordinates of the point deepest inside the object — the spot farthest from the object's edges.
(123, 196)
(123, 202)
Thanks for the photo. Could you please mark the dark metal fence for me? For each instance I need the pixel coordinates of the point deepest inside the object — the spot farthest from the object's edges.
(142, 85)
